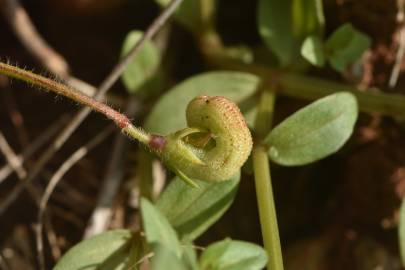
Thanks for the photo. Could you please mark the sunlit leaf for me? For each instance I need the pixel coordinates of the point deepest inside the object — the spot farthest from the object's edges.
(233, 255)
(168, 114)
(191, 211)
(312, 50)
(313, 132)
(164, 258)
(157, 229)
(109, 251)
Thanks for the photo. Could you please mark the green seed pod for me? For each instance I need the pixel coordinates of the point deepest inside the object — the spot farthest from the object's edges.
(215, 145)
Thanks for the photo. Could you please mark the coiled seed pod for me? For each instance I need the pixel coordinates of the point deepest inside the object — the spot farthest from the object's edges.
(215, 145)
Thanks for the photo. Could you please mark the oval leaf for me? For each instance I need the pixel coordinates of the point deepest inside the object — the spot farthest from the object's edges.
(168, 114)
(313, 132)
(143, 66)
(345, 46)
(157, 228)
(191, 211)
(164, 258)
(233, 255)
(110, 250)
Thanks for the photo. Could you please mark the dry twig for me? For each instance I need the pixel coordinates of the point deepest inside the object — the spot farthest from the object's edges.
(72, 160)
(80, 116)
(11, 157)
(32, 40)
(396, 69)
(6, 170)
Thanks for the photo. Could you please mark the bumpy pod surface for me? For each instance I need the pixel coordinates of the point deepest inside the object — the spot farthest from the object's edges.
(222, 119)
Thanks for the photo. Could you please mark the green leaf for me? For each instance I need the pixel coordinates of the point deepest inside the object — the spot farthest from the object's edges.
(168, 114)
(143, 66)
(109, 251)
(192, 211)
(315, 131)
(190, 256)
(157, 228)
(283, 24)
(401, 232)
(345, 46)
(307, 18)
(233, 255)
(164, 258)
(187, 14)
(312, 50)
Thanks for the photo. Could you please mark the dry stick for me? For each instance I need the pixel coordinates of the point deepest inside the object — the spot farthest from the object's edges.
(24, 28)
(79, 117)
(52, 239)
(101, 215)
(11, 157)
(32, 40)
(72, 160)
(6, 170)
(401, 50)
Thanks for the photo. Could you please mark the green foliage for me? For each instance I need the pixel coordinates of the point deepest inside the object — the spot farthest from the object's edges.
(313, 132)
(233, 255)
(143, 66)
(345, 46)
(191, 211)
(109, 251)
(293, 31)
(164, 258)
(190, 256)
(312, 50)
(157, 229)
(284, 24)
(188, 14)
(236, 86)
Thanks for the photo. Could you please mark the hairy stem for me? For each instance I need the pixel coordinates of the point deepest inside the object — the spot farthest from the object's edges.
(264, 191)
(48, 84)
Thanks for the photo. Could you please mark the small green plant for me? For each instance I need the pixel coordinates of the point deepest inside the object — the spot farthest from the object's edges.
(212, 148)
(198, 131)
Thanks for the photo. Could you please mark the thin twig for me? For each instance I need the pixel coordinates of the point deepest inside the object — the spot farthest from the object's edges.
(80, 116)
(32, 40)
(11, 157)
(101, 215)
(6, 170)
(396, 69)
(72, 160)
(36, 45)
(52, 239)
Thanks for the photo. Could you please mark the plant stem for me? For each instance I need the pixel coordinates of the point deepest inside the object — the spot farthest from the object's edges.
(264, 191)
(119, 119)
(310, 88)
(207, 15)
